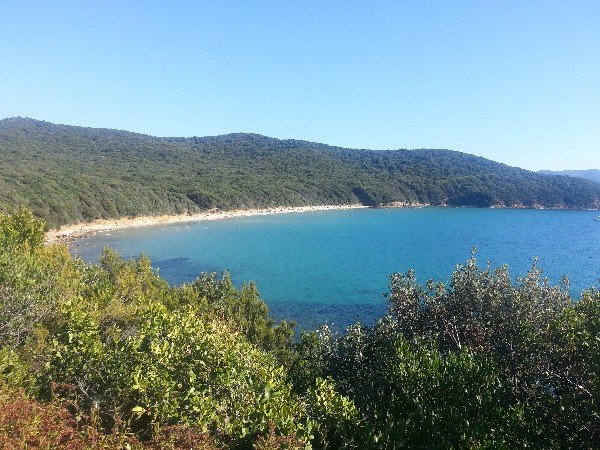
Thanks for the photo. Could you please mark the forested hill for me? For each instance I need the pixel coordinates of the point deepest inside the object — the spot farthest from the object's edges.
(68, 174)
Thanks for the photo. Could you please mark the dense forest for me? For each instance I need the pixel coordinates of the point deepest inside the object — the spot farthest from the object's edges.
(110, 356)
(67, 174)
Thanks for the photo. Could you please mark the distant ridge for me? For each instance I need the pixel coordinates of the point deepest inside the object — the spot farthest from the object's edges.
(68, 174)
(590, 174)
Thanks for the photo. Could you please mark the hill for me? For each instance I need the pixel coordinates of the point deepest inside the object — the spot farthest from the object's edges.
(68, 174)
(590, 174)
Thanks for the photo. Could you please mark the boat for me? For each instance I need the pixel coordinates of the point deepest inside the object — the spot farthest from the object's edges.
(596, 219)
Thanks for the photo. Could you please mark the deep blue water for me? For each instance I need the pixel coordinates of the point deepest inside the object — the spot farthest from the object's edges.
(333, 266)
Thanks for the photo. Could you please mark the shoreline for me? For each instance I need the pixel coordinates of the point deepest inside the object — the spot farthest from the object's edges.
(68, 233)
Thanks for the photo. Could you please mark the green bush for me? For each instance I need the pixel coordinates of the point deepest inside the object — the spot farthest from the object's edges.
(175, 368)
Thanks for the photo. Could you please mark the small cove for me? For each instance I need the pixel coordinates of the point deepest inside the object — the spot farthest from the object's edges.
(333, 266)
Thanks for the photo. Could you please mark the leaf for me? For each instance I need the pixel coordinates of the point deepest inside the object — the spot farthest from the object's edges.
(268, 391)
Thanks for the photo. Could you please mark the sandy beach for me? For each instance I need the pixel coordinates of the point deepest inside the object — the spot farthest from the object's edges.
(70, 232)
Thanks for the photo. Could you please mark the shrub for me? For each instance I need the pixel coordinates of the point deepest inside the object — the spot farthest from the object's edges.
(175, 369)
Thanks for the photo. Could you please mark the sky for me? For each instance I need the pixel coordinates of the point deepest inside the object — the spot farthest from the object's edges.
(517, 82)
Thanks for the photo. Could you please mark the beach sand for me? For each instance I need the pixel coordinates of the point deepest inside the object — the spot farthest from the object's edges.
(67, 233)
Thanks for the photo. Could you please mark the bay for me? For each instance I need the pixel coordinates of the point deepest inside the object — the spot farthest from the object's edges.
(333, 266)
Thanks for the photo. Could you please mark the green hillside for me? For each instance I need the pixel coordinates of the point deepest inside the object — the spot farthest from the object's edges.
(67, 174)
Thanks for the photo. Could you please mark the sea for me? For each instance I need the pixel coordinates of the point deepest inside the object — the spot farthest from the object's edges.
(332, 267)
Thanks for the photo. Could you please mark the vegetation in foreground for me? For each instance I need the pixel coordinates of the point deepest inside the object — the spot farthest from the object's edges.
(70, 174)
(110, 356)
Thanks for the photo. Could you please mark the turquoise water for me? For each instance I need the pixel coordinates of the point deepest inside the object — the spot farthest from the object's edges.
(333, 266)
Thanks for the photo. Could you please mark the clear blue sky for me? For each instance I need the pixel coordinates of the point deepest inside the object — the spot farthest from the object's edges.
(514, 81)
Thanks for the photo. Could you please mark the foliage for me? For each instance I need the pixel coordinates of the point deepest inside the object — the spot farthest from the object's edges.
(413, 396)
(13, 372)
(176, 368)
(29, 424)
(107, 356)
(21, 228)
(483, 363)
(337, 419)
(545, 345)
(273, 441)
(246, 313)
(32, 277)
(456, 400)
(71, 174)
(118, 341)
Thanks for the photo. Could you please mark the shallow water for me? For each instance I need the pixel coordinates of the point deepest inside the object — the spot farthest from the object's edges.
(333, 266)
